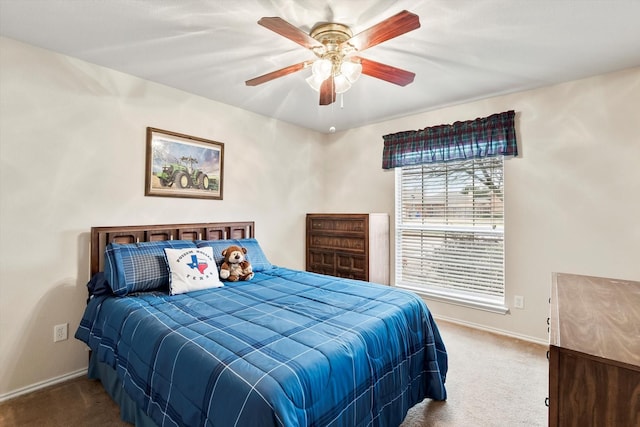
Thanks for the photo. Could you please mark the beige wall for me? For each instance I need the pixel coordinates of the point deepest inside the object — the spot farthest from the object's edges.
(572, 195)
(72, 150)
(72, 154)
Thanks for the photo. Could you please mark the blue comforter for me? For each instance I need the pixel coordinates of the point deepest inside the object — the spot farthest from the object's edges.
(288, 348)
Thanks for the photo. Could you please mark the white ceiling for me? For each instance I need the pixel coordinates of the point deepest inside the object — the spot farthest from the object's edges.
(464, 50)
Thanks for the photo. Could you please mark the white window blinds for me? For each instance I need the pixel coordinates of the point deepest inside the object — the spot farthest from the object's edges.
(450, 229)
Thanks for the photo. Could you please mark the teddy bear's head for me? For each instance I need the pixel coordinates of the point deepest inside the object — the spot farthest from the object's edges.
(234, 254)
(235, 266)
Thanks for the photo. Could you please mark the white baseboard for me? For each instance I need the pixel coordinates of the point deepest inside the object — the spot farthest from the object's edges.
(42, 384)
(528, 338)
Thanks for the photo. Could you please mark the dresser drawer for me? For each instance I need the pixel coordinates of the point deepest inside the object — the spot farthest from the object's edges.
(339, 225)
(357, 264)
(352, 244)
(321, 260)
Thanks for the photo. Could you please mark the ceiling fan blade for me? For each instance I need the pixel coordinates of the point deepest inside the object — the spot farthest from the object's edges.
(386, 72)
(278, 73)
(289, 31)
(395, 26)
(327, 91)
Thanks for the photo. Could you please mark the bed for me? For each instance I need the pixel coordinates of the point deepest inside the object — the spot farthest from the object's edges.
(287, 348)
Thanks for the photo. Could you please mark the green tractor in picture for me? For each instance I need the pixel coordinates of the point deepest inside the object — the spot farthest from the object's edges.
(184, 176)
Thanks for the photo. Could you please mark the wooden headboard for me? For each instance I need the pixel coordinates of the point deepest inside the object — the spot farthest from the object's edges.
(102, 236)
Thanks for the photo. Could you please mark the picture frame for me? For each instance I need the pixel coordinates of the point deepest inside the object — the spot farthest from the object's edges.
(179, 165)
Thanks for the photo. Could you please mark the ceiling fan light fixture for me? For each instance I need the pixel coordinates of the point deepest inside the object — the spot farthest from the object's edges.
(315, 82)
(342, 83)
(351, 70)
(322, 68)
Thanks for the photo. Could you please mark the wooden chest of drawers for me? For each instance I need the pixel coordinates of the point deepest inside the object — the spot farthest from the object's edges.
(355, 246)
(594, 355)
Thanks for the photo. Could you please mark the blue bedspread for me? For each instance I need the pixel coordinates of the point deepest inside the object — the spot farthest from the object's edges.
(288, 348)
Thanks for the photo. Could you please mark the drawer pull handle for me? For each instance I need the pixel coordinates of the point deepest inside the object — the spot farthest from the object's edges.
(547, 354)
(546, 402)
(548, 320)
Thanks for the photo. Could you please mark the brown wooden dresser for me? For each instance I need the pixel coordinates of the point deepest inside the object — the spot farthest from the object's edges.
(355, 246)
(594, 357)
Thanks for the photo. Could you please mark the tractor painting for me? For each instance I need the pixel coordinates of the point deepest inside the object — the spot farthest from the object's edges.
(183, 166)
(183, 174)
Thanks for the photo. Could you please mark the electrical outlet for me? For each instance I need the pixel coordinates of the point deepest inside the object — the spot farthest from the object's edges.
(60, 332)
(518, 301)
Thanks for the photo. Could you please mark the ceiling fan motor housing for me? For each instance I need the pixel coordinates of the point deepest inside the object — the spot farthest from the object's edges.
(331, 35)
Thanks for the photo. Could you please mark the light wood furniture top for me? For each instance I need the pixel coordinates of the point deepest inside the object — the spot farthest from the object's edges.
(598, 317)
(594, 371)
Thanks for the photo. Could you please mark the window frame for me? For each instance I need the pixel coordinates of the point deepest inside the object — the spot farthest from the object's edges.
(496, 304)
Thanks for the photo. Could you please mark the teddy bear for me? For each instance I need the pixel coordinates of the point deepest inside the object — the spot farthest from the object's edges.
(235, 265)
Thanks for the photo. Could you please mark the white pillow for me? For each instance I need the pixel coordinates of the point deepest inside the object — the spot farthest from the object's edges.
(191, 269)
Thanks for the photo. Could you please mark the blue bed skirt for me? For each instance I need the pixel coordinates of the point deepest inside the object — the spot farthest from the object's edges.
(129, 412)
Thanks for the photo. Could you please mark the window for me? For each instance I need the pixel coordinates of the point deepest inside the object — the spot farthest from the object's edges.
(450, 231)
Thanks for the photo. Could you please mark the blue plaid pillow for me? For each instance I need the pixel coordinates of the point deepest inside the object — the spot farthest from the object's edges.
(138, 267)
(255, 255)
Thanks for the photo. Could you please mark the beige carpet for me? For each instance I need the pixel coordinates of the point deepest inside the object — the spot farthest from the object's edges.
(492, 381)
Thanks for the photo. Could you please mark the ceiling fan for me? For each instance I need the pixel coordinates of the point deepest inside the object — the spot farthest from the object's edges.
(334, 45)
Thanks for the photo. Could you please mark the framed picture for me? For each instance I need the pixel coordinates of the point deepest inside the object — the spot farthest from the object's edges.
(183, 166)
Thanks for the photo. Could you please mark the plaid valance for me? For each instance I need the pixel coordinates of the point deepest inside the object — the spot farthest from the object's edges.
(483, 137)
